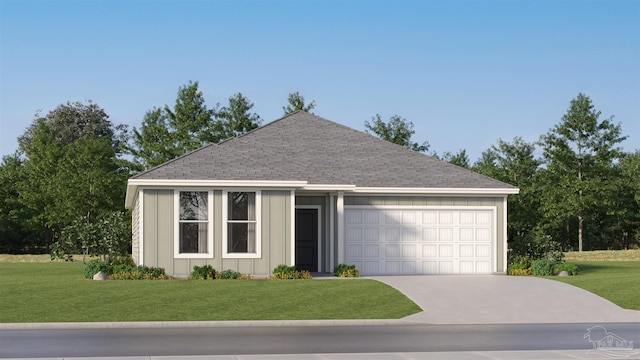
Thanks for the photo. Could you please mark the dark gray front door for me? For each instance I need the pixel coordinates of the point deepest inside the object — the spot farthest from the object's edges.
(307, 239)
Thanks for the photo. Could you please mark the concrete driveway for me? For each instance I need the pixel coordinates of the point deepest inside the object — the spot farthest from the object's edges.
(501, 299)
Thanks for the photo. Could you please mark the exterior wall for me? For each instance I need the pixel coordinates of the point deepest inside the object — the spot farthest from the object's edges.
(135, 231)
(498, 202)
(159, 223)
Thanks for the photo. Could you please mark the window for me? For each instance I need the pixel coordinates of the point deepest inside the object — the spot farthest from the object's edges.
(193, 235)
(242, 234)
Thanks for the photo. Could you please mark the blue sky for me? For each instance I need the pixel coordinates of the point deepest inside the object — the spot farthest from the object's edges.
(464, 72)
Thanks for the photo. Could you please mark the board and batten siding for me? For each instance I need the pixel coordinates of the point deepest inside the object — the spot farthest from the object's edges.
(135, 231)
(444, 201)
(159, 226)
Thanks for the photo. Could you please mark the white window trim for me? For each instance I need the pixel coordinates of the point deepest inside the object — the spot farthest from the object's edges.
(225, 216)
(176, 229)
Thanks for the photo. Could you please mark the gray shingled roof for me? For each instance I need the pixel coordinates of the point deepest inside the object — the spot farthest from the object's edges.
(305, 147)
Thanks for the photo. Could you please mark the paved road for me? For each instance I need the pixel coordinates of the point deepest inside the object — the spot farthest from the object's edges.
(411, 338)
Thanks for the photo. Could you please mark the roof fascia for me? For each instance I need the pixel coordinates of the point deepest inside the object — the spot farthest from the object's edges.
(437, 191)
(134, 184)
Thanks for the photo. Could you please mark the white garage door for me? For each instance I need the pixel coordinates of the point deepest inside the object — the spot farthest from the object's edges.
(405, 241)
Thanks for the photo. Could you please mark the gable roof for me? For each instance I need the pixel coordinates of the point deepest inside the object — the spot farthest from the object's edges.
(306, 148)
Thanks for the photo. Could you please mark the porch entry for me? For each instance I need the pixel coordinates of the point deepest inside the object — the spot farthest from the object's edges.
(307, 239)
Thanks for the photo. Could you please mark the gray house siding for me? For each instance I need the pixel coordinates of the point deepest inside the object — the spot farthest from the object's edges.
(158, 233)
(498, 202)
(135, 231)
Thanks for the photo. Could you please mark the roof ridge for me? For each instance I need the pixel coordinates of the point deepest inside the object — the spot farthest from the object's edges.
(261, 127)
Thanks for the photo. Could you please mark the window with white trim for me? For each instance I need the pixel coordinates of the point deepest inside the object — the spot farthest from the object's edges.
(241, 233)
(194, 237)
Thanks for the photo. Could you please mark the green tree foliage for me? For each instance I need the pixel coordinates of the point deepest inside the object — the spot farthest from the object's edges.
(460, 158)
(514, 163)
(107, 237)
(398, 131)
(70, 168)
(579, 156)
(236, 118)
(297, 103)
(14, 233)
(619, 214)
(167, 133)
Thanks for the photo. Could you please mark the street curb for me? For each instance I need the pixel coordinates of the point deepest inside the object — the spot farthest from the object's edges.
(199, 324)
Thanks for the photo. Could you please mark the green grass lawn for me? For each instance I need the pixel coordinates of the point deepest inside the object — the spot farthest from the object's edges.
(56, 292)
(616, 281)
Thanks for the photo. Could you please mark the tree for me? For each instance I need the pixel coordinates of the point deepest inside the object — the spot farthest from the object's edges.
(514, 163)
(579, 154)
(71, 167)
(398, 131)
(107, 237)
(14, 234)
(296, 103)
(460, 158)
(235, 119)
(71, 121)
(168, 133)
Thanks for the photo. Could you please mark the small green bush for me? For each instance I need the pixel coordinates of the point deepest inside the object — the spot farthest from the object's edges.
(519, 272)
(93, 267)
(204, 272)
(519, 269)
(122, 260)
(228, 275)
(139, 273)
(290, 272)
(120, 268)
(284, 272)
(543, 267)
(521, 262)
(572, 269)
(344, 270)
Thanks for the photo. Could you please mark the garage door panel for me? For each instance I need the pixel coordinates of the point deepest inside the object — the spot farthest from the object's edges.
(467, 250)
(430, 251)
(445, 251)
(372, 251)
(353, 234)
(409, 241)
(354, 251)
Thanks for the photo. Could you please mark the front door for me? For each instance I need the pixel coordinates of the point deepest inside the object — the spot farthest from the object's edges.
(307, 239)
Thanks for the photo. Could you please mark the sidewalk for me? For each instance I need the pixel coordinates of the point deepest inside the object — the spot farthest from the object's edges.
(464, 355)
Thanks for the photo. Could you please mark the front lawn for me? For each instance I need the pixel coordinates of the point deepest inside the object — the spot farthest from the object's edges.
(56, 292)
(616, 281)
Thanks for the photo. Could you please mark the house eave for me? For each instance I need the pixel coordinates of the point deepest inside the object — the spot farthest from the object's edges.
(134, 184)
(436, 191)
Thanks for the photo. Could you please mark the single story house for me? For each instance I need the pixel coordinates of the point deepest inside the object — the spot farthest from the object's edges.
(309, 192)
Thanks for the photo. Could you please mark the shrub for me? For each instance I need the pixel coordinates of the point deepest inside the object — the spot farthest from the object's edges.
(140, 273)
(290, 272)
(519, 272)
(344, 270)
(572, 269)
(520, 269)
(536, 246)
(93, 267)
(284, 272)
(205, 272)
(543, 267)
(228, 275)
(522, 262)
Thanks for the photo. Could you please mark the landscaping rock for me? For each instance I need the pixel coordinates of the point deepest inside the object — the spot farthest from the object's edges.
(563, 273)
(100, 276)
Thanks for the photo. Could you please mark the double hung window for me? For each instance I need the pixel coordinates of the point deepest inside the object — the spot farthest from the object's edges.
(194, 237)
(241, 235)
